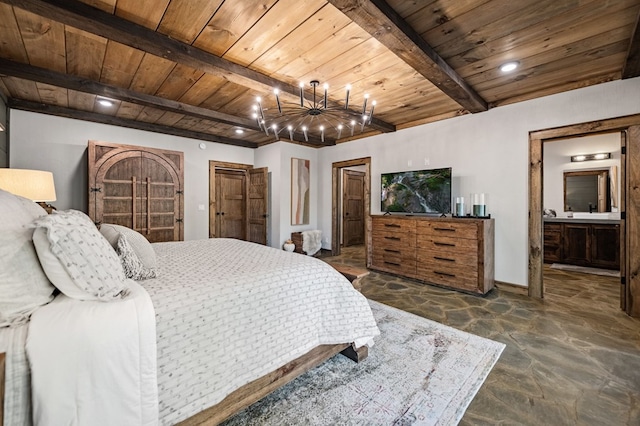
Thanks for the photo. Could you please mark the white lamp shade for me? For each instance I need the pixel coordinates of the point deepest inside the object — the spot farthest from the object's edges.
(36, 185)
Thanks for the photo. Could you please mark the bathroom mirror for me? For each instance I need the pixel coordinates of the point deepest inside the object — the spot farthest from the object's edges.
(587, 191)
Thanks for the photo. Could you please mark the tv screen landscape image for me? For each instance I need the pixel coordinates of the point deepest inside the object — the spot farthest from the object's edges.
(419, 191)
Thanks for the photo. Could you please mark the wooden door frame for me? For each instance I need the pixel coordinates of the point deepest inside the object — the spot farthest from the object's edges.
(335, 205)
(212, 191)
(536, 141)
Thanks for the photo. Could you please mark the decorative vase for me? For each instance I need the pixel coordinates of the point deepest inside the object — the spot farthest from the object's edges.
(289, 246)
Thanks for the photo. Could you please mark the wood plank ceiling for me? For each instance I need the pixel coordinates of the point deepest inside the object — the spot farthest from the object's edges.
(194, 67)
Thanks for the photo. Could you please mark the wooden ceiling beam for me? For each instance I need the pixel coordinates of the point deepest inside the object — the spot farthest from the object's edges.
(384, 24)
(123, 122)
(92, 20)
(631, 66)
(67, 81)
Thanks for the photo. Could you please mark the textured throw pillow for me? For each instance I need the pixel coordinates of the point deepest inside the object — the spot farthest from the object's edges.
(87, 267)
(140, 245)
(23, 285)
(133, 267)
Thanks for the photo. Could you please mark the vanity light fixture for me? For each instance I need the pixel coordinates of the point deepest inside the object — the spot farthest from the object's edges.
(590, 157)
(509, 66)
(105, 102)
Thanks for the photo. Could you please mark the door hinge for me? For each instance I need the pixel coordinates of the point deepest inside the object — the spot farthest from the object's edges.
(179, 220)
(623, 281)
(96, 189)
(180, 191)
(623, 215)
(623, 150)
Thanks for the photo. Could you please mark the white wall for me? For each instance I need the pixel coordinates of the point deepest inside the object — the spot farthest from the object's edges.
(277, 157)
(59, 145)
(488, 153)
(557, 160)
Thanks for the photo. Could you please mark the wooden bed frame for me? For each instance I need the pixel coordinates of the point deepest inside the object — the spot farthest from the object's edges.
(251, 392)
(259, 388)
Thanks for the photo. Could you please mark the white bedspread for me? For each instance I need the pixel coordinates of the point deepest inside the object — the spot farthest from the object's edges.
(226, 313)
(17, 399)
(229, 312)
(94, 363)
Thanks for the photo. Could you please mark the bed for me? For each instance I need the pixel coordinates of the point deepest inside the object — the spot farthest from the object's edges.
(222, 323)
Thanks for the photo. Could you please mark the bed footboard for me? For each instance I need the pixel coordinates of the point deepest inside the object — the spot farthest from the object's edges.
(258, 389)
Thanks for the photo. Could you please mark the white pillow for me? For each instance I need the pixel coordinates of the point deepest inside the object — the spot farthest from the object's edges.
(77, 258)
(133, 267)
(140, 245)
(23, 285)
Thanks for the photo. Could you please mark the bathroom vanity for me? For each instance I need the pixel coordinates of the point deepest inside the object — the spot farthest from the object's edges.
(582, 241)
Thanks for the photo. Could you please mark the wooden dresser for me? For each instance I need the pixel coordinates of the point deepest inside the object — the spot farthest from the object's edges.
(455, 253)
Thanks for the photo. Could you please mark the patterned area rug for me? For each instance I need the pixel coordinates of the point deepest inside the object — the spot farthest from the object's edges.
(419, 372)
(586, 270)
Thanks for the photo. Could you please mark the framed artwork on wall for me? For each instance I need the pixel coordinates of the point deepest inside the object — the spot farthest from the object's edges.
(300, 184)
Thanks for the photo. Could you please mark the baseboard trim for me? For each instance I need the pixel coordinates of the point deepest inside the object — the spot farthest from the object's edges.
(512, 288)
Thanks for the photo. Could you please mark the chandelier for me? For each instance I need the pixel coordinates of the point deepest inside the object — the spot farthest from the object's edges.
(309, 117)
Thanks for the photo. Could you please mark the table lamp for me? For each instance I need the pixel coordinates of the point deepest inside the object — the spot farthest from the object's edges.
(36, 185)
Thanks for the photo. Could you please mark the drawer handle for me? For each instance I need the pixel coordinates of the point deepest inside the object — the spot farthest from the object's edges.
(444, 258)
(445, 274)
(392, 263)
(392, 238)
(392, 251)
(444, 244)
(392, 225)
(444, 229)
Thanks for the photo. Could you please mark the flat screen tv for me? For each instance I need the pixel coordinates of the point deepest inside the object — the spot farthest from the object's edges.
(419, 191)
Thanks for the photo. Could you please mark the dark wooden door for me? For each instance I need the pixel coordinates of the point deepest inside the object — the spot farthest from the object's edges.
(231, 204)
(577, 244)
(552, 242)
(631, 268)
(605, 246)
(353, 208)
(258, 199)
(137, 187)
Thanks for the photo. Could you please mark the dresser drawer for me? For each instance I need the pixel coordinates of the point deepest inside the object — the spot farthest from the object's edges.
(444, 260)
(392, 225)
(449, 245)
(396, 263)
(457, 229)
(454, 278)
(397, 241)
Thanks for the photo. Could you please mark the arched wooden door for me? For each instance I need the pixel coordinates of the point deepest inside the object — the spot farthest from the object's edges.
(137, 187)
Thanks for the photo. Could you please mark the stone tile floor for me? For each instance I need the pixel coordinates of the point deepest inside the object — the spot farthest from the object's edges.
(572, 358)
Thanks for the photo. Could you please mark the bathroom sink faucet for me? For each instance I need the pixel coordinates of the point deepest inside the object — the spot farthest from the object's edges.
(590, 208)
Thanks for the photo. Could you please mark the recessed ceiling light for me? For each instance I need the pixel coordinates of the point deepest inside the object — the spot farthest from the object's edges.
(105, 102)
(509, 66)
(239, 131)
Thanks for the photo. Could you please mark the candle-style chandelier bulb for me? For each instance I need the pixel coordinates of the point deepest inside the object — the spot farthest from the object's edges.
(314, 108)
(346, 100)
(277, 92)
(364, 105)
